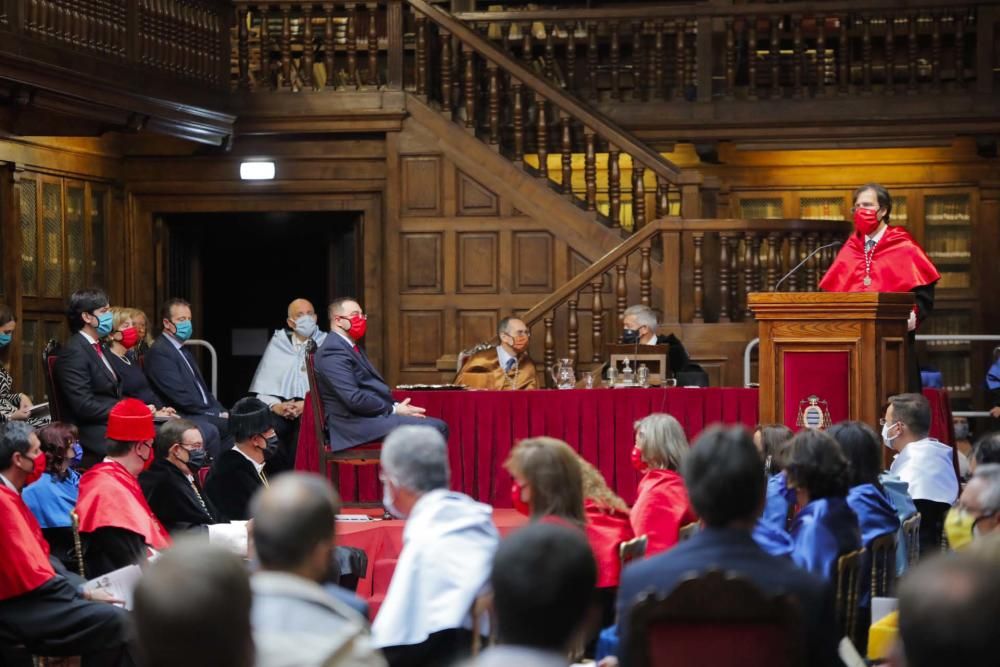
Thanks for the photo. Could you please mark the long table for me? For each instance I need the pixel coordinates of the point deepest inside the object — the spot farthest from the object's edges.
(598, 423)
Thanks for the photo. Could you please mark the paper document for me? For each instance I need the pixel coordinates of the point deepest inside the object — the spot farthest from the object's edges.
(119, 583)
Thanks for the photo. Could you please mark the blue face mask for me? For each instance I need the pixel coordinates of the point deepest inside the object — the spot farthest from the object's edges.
(5, 339)
(77, 454)
(105, 321)
(184, 330)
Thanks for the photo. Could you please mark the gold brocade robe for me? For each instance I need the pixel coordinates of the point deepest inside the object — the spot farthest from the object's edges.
(482, 371)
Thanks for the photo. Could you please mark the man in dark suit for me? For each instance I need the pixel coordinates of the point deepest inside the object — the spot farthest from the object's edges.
(639, 324)
(171, 484)
(357, 402)
(173, 372)
(725, 481)
(88, 387)
(239, 471)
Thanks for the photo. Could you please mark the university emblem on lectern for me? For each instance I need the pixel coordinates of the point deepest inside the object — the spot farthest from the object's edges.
(814, 412)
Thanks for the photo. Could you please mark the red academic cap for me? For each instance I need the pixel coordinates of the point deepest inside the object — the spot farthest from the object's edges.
(130, 421)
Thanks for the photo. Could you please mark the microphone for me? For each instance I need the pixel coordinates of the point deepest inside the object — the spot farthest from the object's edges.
(799, 265)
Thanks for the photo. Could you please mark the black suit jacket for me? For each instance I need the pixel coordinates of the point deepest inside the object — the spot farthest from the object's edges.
(173, 380)
(87, 389)
(231, 484)
(733, 550)
(173, 500)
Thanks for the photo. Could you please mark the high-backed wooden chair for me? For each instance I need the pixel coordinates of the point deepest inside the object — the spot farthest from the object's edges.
(77, 544)
(911, 533)
(362, 455)
(848, 588)
(688, 531)
(883, 559)
(49, 357)
(634, 549)
(717, 619)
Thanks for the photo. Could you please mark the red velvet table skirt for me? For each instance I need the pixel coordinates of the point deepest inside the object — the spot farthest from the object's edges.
(598, 423)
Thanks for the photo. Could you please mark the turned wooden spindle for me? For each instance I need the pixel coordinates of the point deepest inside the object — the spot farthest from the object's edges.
(542, 134)
(752, 58)
(590, 169)
(775, 58)
(724, 277)
(912, 46)
(550, 51)
(421, 54)
(645, 274)
(445, 71)
(517, 91)
(597, 318)
(372, 8)
(494, 103)
(936, 52)
(286, 47)
(469, 56)
(798, 56)
(638, 62)
(244, 48)
(659, 57)
(866, 54)
(621, 292)
(638, 196)
(773, 259)
(794, 257)
(662, 197)
(572, 330)
(614, 186)
(821, 55)
(570, 30)
(550, 349)
(698, 277)
(811, 245)
(843, 57)
(758, 242)
(307, 46)
(680, 28)
(352, 43)
(614, 62)
(330, 45)
(265, 51)
(567, 153)
(748, 272)
(890, 54)
(959, 21)
(592, 59)
(527, 47)
(730, 79)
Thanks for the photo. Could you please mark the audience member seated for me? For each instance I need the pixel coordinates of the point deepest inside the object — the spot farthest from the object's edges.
(607, 522)
(295, 620)
(171, 485)
(724, 477)
(356, 400)
(281, 381)
(54, 495)
(141, 324)
(173, 372)
(543, 582)
(134, 384)
(239, 472)
(88, 386)
(547, 481)
(192, 608)
(40, 609)
(948, 610)
(505, 366)
(640, 324)
(661, 506)
(117, 527)
(922, 462)
(825, 527)
(448, 546)
(14, 406)
(978, 509)
(987, 450)
(771, 531)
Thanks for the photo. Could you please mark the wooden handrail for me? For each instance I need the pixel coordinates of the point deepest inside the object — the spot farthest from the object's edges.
(601, 124)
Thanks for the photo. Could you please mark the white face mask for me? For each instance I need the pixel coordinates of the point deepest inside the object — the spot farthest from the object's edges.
(886, 440)
(387, 503)
(305, 326)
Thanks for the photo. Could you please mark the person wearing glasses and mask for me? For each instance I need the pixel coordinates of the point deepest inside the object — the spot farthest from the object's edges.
(504, 366)
(878, 257)
(357, 402)
(281, 381)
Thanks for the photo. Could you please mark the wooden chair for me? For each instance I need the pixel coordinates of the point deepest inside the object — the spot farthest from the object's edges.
(911, 533)
(717, 619)
(77, 544)
(362, 455)
(49, 357)
(688, 531)
(483, 615)
(848, 587)
(883, 559)
(634, 549)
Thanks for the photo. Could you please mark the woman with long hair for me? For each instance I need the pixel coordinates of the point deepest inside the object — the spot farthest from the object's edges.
(14, 406)
(548, 484)
(662, 506)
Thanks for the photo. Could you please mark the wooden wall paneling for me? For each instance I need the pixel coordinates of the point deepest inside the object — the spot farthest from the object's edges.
(422, 263)
(478, 262)
(449, 188)
(533, 270)
(420, 178)
(474, 198)
(421, 339)
(390, 253)
(476, 326)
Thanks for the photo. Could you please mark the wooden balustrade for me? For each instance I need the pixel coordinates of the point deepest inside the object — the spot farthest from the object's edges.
(745, 255)
(757, 51)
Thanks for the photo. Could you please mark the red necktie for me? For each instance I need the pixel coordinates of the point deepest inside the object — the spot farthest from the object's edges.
(97, 348)
(355, 346)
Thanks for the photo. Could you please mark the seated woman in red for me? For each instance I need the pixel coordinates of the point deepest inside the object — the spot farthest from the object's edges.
(548, 485)
(608, 524)
(661, 506)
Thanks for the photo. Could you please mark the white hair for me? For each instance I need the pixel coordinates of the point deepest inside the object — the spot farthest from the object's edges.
(662, 440)
(644, 315)
(990, 474)
(416, 458)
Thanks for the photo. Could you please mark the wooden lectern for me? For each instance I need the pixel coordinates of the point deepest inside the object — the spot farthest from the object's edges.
(844, 353)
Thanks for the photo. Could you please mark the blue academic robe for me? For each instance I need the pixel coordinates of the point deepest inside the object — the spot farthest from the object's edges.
(51, 499)
(897, 491)
(824, 530)
(779, 499)
(770, 539)
(876, 517)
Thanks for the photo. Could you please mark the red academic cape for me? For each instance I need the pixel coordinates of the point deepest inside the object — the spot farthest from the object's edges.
(24, 553)
(607, 528)
(898, 265)
(110, 497)
(661, 508)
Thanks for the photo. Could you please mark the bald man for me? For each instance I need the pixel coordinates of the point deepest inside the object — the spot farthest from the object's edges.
(281, 381)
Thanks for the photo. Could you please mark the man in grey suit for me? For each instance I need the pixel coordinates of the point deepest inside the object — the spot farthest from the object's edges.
(356, 400)
(295, 620)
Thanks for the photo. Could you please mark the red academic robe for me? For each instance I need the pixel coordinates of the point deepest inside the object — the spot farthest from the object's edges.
(23, 551)
(110, 497)
(607, 528)
(661, 508)
(898, 265)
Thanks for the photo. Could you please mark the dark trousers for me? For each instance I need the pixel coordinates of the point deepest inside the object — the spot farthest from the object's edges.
(53, 620)
(441, 649)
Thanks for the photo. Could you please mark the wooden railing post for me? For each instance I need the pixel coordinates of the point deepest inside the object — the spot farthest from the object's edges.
(597, 319)
(724, 276)
(243, 35)
(394, 40)
(572, 330)
(670, 285)
(621, 293)
(645, 276)
(698, 278)
(550, 349)
(704, 59)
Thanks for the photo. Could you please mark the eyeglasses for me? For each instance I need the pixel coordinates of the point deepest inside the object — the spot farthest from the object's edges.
(883, 422)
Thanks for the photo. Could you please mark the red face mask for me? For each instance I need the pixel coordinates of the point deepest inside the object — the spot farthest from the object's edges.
(130, 336)
(515, 498)
(865, 220)
(37, 468)
(637, 463)
(359, 326)
(148, 461)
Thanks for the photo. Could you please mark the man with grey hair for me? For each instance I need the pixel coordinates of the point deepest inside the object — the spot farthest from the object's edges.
(503, 366)
(639, 327)
(448, 546)
(978, 509)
